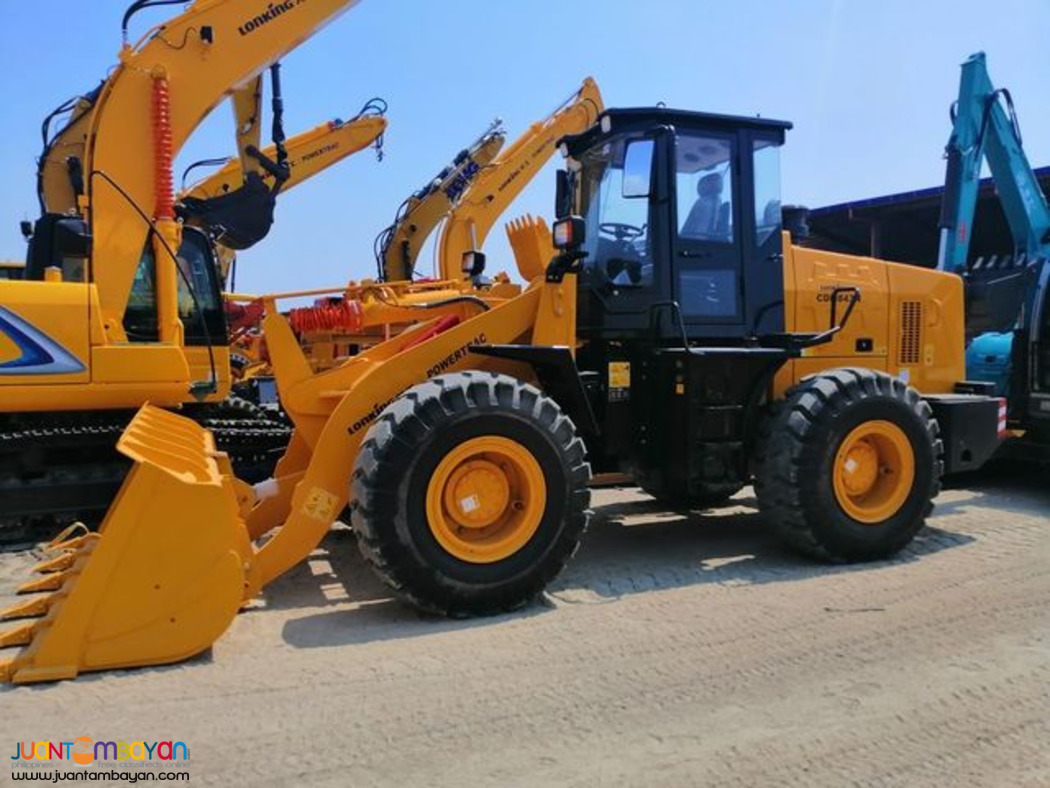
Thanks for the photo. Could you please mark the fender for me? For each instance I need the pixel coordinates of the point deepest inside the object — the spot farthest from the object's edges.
(558, 376)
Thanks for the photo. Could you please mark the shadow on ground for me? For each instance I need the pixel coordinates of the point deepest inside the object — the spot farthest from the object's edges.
(633, 546)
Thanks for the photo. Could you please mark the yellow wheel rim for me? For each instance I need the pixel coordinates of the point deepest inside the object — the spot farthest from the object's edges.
(874, 472)
(486, 499)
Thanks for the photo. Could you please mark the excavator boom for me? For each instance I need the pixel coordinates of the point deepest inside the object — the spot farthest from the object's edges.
(398, 246)
(1007, 296)
(984, 126)
(175, 77)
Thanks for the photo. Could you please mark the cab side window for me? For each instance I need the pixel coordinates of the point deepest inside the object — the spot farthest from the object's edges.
(704, 173)
(768, 220)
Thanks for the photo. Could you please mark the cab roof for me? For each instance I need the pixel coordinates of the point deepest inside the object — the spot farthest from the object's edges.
(639, 118)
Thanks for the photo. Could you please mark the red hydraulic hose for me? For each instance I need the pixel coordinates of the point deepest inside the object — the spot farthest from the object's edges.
(164, 154)
(343, 315)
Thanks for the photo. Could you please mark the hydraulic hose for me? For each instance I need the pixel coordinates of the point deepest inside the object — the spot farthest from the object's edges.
(164, 154)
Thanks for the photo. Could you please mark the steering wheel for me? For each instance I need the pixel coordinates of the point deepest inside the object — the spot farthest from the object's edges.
(621, 231)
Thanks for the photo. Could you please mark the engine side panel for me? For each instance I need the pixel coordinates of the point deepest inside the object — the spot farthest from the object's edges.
(909, 321)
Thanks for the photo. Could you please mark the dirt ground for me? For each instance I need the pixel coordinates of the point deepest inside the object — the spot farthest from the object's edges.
(677, 649)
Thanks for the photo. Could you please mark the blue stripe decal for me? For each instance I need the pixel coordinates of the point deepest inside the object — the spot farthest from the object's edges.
(41, 355)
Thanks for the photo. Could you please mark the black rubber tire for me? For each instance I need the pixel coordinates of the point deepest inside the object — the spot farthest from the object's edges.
(398, 457)
(798, 442)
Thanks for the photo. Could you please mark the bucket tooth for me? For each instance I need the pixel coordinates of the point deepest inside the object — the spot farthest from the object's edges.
(67, 535)
(56, 564)
(78, 543)
(37, 606)
(21, 635)
(161, 580)
(49, 582)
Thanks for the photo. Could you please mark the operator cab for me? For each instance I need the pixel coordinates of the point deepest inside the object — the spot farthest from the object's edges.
(683, 218)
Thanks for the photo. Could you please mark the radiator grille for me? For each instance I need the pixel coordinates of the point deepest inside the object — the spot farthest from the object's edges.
(911, 329)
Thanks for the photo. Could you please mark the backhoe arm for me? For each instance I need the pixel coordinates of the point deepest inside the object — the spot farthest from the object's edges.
(309, 154)
(984, 129)
(398, 246)
(160, 92)
(502, 181)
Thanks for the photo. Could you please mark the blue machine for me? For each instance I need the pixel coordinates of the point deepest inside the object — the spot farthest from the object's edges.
(1008, 314)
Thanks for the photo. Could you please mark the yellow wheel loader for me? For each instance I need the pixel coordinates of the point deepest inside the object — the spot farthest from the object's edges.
(678, 334)
(121, 300)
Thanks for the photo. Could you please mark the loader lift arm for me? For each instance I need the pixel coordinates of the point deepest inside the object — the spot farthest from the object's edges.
(499, 184)
(398, 246)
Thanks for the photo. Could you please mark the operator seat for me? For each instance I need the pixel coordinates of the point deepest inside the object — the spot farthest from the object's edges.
(707, 214)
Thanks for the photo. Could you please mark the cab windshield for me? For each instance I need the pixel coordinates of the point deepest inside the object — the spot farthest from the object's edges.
(618, 245)
(199, 295)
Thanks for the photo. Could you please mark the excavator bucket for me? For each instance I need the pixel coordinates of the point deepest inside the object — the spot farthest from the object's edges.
(160, 581)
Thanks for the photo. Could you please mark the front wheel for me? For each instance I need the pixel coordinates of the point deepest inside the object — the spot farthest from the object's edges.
(848, 465)
(470, 493)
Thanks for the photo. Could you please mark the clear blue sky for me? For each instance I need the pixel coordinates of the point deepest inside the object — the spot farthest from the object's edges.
(866, 83)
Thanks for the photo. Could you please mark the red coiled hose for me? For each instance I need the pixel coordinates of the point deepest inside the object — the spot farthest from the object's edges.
(164, 153)
(342, 315)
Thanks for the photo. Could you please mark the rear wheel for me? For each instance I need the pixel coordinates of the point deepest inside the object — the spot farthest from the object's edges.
(470, 493)
(848, 465)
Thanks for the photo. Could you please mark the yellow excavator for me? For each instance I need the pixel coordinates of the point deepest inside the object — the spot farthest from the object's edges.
(674, 332)
(121, 302)
(60, 180)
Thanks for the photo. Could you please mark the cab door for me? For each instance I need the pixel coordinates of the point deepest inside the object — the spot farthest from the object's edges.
(727, 255)
(707, 262)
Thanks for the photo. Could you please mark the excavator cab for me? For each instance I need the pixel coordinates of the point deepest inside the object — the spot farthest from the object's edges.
(682, 211)
(199, 287)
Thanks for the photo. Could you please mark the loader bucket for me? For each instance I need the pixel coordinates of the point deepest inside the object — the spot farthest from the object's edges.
(160, 581)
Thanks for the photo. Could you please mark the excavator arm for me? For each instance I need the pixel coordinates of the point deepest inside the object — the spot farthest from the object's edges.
(160, 92)
(247, 113)
(398, 246)
(498, 184)
(984, 127)
(309, 153)
(1006, 296)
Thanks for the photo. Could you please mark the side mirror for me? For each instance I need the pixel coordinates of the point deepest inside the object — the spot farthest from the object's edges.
(562, 195)
(637, 169)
